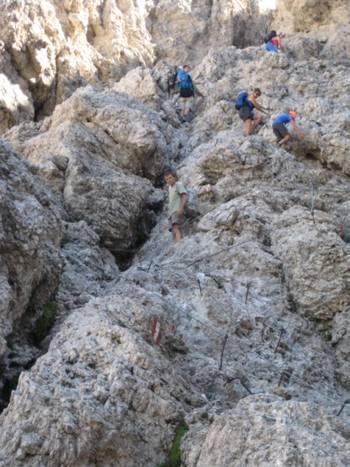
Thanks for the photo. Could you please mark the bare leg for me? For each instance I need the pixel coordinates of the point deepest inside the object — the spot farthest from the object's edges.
(257, 121)
(285, 140)
(248, 127)
(188, 108)
(177, 234)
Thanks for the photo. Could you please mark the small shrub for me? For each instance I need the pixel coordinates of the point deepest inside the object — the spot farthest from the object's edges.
(174, 459)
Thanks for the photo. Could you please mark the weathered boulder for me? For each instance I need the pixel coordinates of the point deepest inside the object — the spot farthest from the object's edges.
(265, 431)
(88, 267)
(105, 125)
(96, 158)
(57, 46)
(316, 262)
(306, 15)
(110, 397)
(140, 84)
(15, 100)
(31, 232)
(113, 203)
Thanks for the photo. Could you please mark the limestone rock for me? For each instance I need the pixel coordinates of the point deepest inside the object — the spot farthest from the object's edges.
(264, 430)
(91, 159)
(88, 267)
(113, 203)
(31, 232)
(109, 398)
(230, 70)
(114, 127)
(244, 319)
(303, 15)
(58, 46)
(15, 103)
(140, 84)
(316, 263)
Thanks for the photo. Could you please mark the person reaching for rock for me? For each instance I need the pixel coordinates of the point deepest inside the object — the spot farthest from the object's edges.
(177, 203)
(272, 43)
(277, 41)
(279, 127)
(246, 104)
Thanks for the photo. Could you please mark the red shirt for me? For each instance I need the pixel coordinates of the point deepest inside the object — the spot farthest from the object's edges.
(276, 42)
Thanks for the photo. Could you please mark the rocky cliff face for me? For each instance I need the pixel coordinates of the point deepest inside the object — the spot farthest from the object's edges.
(240, 332)
(49, 48)
(308, 15)
(326, 21)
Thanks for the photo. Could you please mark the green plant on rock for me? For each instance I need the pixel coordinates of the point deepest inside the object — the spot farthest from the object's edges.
(174, 459)
(44, 323)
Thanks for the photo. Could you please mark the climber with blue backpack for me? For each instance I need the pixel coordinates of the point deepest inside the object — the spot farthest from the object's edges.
(246, 105)
(187, 91)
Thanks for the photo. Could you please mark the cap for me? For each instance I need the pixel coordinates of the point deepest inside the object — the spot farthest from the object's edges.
(293, 114)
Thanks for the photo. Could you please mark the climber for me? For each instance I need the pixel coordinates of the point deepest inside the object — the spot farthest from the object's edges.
(272, 43)
(246, 105)
(280, 129)
(177, 203)
(277, 41)
(187, 90)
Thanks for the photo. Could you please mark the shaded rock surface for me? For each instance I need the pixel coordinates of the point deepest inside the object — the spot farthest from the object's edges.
(87, 268)
(31, 231)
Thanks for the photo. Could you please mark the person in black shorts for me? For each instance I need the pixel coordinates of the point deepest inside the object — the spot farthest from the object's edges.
(279, 127)
(247, 112)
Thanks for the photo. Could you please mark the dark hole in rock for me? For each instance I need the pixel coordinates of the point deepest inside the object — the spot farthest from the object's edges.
(25, 346)
(124, 256)
(8, 385)
(10, 377)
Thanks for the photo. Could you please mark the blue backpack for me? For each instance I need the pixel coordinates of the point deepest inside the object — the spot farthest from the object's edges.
(241, 99)
(185, 80)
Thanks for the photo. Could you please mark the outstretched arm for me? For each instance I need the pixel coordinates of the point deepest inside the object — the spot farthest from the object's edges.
(297, 129)
(262, 109)
(258, 106)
